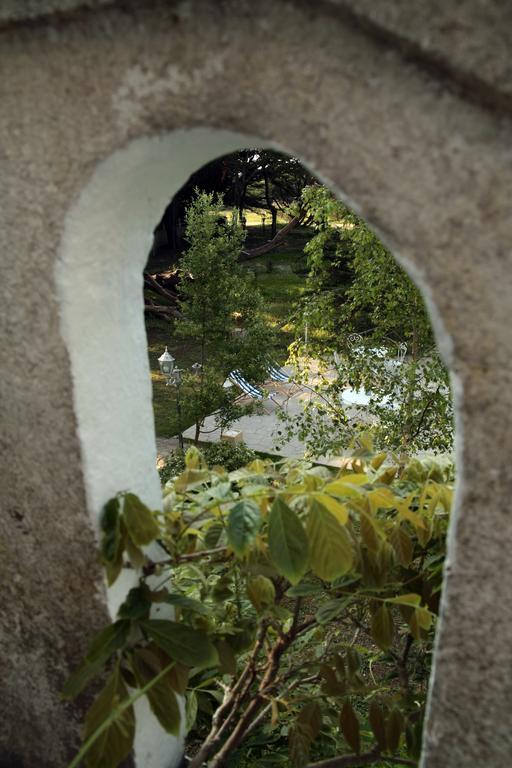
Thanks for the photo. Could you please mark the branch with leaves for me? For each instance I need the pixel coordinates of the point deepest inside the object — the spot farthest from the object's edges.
(271, 567)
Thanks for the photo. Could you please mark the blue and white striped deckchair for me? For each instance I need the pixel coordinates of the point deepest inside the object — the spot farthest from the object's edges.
(250, 389)
(277, 374)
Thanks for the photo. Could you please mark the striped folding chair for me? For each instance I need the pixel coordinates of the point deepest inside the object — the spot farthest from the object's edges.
(252, 391)
(279, 376)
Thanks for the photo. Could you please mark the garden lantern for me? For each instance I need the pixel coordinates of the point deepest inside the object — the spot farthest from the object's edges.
(166, 363)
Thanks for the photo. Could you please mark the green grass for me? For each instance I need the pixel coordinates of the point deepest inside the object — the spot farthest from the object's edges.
(276, 275)
(160, 335)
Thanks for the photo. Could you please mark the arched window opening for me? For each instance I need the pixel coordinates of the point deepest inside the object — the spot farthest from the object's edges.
(300, 358)
(304, 591)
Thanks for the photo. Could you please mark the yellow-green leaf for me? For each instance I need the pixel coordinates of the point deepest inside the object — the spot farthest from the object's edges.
(381, 498)
(410, 599)
(378, 460)
(335, 507)
(261, 592)
(139, 520)
(382, 627)
(369, 532)
(402, 544)
(329, 544)
(387, 476)
(191, 478)
(420, 619)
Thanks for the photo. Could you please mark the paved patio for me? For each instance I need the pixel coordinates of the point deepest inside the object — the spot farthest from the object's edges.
(260, 431)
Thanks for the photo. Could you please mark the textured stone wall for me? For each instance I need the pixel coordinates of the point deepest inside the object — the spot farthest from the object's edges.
(418, 149)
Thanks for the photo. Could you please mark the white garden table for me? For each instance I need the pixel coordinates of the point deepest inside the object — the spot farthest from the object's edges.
(362, 397)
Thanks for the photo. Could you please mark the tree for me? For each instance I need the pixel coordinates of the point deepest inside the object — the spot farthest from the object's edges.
(220, 310)
(356, 286)
(254, 178)
(305, 601)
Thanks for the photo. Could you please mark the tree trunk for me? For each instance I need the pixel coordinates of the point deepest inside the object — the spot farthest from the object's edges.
(271, 244)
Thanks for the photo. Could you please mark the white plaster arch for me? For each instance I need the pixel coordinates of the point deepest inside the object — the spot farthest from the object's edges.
(106, 239)
(107, 235)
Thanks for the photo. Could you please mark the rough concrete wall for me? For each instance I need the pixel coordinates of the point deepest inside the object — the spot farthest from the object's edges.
(27, 10)
(427, 168)
(468, 41)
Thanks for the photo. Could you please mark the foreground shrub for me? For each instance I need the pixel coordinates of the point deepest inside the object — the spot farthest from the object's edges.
(305, 603)
(228, 455)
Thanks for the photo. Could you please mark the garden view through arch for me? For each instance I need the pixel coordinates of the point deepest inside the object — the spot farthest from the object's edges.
(120, 205)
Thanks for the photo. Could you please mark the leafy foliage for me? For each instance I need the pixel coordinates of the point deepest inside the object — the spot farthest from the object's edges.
(304, 604)
(228, 455)
(222, 312)
(356, 286)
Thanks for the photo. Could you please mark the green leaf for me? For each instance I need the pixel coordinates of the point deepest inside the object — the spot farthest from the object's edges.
(305, 589)
(227, 658)
(108, 640)
(402, 544)
(189, 646)
(213, 534)
(110, 528)
(331, 609)
(161, 696)
(394, 727)
(136, 605)
(311, 716)
(353, 661)
(382, 628)
(349, 725)
(261, 592)
(140, 523)
(113, 540)
(378, 724)
(287, 541)
(178, 678)
(190, 710)
(299, 743)
(244, 522)
(135, 554)
(329, 544)
(116, 741)
(187, 603)
(103, 645)
(332, 686)
(80, 678)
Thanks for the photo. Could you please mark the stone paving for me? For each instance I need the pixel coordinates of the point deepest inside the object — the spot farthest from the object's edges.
(260, 431)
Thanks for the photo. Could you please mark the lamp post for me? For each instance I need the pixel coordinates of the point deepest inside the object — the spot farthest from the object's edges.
(306, 329)
(173, 375)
